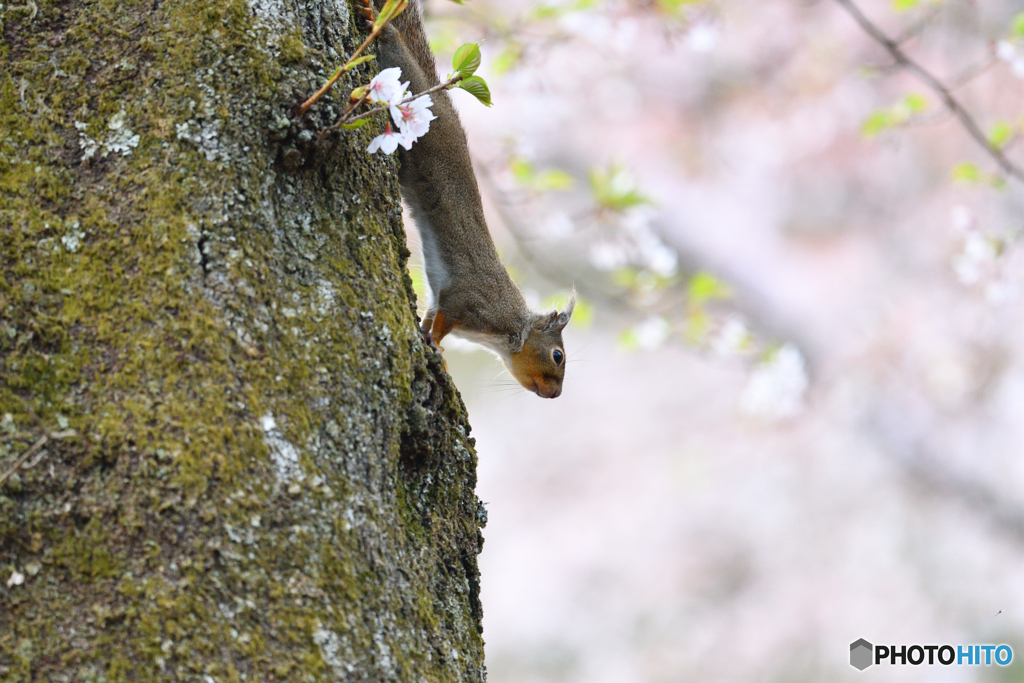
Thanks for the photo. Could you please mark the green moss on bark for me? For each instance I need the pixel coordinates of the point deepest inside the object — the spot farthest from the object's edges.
(271, 477)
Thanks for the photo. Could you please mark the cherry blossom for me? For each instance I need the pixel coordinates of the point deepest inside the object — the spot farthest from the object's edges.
(413, 117)
(385, 87)
(389, 140)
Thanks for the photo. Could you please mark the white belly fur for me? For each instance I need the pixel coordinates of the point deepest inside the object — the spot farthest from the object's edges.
(496, 345)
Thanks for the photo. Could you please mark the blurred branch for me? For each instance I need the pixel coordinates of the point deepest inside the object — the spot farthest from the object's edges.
(671, 301)
(550, 270)
(973, 72)
(916, 29)
(925, 472)
(887, 428)
(945, 93)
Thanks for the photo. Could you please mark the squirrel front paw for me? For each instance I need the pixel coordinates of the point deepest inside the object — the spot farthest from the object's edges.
(428, 337)
(366, 10)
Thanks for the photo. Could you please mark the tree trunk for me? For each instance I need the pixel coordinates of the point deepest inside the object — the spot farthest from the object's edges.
(255, 468)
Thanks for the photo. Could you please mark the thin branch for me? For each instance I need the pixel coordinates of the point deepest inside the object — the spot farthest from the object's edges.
(42, 441)
(973, 72)
(944, 93)
(928, 473)
(341, 71)
(916, 29)
(672, 301)
(25, 456)
(351, 108)
(390, 10)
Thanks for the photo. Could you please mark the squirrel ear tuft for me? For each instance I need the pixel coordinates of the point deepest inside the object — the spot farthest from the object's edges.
(546, 321)
(563, 318)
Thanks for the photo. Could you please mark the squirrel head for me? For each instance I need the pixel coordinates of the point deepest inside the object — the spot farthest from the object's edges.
(540, 364)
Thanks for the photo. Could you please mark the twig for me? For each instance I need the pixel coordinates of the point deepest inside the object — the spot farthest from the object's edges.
(973, 72)
(951, 103)
(916, 29)
(25, 456)
(352, 107)
(927, 472)
(389, 12)
(42, 441)
(337, 74)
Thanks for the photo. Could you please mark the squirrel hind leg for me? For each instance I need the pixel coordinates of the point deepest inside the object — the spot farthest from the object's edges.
(435, 326)
(440, 327)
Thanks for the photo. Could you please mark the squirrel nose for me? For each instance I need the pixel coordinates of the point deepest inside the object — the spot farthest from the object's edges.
(549, 392)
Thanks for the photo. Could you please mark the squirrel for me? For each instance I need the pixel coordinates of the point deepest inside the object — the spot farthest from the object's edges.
(471, 294)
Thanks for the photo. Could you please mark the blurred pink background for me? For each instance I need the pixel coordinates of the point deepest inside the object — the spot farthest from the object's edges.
(838, 454)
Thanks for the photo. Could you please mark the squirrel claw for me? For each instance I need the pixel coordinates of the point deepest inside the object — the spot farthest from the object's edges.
(368, 13)
(429, 339)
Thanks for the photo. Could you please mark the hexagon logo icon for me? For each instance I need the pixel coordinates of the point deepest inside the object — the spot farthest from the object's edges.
(860, 654)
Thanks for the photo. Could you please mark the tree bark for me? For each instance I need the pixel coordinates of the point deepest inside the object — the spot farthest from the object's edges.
(255, 470)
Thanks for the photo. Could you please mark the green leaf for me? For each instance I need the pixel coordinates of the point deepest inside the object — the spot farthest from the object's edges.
(1001, 134)
(697, 326)
(552, 179)
(900, 113)
(614, 189)
(967, 173)
(355, 125)
(1018, 25)
(916, 102)
(675, 7)
(361, 60)
(467, 60)
(876, 123)
(443, 39)
(704, 287)
(476, 87)
(522, 170)
(541, 12)
(628, 340)
(904, 5)
(390, 10)
(508, 58)
(625, 277)
(583, 314)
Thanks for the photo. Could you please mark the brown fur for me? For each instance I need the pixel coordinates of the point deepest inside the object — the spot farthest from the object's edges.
(477, 299)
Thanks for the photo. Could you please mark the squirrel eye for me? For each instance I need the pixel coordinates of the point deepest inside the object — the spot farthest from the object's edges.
(556, 356)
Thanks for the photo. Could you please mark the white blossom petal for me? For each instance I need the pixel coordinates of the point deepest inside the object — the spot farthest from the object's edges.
(385, 86)
(1006, 51)
(776, 388)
